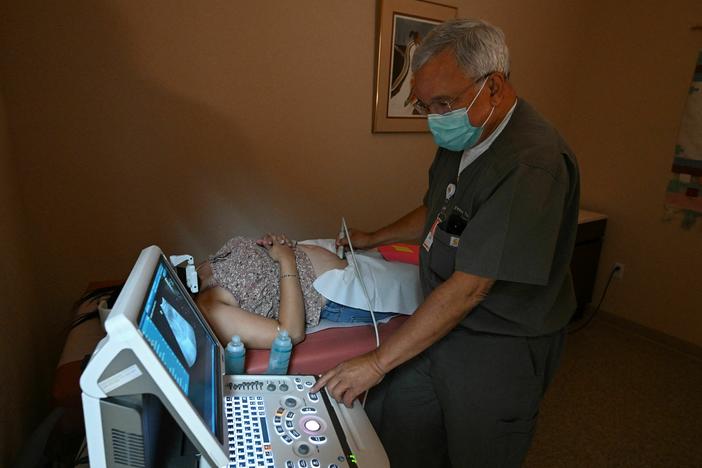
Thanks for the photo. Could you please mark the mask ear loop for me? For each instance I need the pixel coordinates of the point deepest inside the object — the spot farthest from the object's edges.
(488, 117)
(473, 102)
(476, 96)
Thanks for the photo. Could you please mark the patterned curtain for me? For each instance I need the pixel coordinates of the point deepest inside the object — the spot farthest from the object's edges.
(684, 194)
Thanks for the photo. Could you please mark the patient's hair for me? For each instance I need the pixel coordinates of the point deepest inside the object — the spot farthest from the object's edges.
(479, 46)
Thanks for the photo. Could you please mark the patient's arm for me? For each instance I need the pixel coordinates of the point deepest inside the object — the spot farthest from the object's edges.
(291, 315)
(227, 318)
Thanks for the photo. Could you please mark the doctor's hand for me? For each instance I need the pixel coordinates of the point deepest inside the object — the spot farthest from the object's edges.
(279, 247)
(359, 239)
(351, 378)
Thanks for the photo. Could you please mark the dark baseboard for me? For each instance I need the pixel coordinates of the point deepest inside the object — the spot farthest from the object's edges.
(659, 337)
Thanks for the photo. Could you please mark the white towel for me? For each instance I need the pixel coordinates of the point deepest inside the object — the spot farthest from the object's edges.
(391, 286)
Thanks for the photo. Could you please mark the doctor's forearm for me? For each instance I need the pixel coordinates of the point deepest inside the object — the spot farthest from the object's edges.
(442, 311)
(407, 228)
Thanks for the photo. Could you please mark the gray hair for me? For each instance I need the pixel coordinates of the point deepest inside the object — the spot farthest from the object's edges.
(480, 47)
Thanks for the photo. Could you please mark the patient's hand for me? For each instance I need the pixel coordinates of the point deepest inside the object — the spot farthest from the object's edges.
(279, 247)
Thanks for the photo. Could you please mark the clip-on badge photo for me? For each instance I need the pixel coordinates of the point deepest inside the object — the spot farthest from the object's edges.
(430, 236)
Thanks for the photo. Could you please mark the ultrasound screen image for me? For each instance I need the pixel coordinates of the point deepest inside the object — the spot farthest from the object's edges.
(177, 333)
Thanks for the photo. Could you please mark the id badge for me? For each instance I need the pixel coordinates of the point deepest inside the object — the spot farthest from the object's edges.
(430, 236)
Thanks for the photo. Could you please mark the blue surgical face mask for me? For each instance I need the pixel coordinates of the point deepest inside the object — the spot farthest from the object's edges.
(453, 130)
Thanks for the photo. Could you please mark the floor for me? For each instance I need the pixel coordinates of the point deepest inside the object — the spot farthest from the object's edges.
(620, 400)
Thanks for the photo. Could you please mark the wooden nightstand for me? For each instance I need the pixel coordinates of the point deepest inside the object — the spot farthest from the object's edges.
(586, 256)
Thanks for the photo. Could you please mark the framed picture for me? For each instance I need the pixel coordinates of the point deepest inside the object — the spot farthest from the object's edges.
(402, 24)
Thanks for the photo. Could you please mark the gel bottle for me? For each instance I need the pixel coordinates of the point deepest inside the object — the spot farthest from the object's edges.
(234, 356)
(280, 354)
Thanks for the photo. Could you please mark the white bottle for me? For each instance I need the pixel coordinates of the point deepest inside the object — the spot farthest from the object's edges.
(234, 355)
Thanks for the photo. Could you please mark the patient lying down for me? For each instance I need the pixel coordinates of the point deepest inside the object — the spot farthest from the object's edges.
(253, 287)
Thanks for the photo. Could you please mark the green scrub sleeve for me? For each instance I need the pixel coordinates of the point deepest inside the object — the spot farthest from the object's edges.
(513, 234)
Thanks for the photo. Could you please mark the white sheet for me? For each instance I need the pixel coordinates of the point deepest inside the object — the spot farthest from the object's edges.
(392, 286)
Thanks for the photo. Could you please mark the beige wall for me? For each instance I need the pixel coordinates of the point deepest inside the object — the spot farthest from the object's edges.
(139, 123)
(147, 122)
(636, 65)
(142, 123)
(22, 391)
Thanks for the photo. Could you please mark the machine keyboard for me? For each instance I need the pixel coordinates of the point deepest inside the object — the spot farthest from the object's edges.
(249, 441)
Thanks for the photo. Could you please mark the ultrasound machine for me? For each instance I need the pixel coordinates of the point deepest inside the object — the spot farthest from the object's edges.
(155, 394)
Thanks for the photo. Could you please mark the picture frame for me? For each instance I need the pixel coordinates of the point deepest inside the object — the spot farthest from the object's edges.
(401, 26)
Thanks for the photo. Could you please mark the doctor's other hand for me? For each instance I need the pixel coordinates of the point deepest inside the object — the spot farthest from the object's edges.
(359, 239)
(351, 378)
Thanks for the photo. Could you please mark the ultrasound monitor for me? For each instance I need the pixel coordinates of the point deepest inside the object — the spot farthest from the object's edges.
(158, 371)
(180, 339)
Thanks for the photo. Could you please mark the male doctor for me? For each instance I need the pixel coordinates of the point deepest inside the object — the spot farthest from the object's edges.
(497, 228)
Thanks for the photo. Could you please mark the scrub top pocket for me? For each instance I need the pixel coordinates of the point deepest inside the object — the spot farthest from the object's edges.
(442, 255)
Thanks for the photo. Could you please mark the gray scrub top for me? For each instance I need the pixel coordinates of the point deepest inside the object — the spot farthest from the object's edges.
(513, 217)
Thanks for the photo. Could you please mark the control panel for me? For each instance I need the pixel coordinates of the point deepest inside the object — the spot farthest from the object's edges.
(274, 421)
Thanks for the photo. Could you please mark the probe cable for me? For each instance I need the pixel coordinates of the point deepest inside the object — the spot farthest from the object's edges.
(365, 292)
(363, 283)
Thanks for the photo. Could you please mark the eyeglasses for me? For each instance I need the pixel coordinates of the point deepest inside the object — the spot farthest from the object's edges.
(443, 105)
